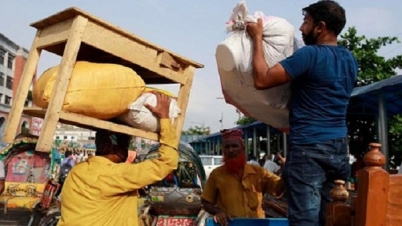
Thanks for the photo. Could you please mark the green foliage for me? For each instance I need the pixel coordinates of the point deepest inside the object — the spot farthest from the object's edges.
(373, 68)
(244, 121)
(197, 130)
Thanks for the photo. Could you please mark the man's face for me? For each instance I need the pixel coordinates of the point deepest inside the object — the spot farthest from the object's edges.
(234, 155)
(309, 31)
(232, 148)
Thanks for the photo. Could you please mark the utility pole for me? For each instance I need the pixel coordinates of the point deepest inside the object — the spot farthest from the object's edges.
(221, 120)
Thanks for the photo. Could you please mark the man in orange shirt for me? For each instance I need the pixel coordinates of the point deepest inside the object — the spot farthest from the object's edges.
(236, 188)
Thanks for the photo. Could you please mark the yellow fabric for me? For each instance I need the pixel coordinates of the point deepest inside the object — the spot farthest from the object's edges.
(99, 192)
(241, 198)
(102, 91)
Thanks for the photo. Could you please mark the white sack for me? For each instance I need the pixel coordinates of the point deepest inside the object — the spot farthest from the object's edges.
(234, 60)
(141, 117)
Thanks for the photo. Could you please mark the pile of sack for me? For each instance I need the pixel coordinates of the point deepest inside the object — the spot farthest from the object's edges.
(105, 91)
(234, 61)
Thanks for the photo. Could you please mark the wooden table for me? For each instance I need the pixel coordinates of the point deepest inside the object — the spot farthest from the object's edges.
(77, 35)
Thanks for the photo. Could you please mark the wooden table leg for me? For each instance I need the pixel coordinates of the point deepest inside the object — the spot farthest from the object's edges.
(61, 85)
(18, 103)
(182, 100)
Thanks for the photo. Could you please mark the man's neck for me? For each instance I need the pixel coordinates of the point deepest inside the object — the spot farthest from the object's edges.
(327, 39)
(112, 158)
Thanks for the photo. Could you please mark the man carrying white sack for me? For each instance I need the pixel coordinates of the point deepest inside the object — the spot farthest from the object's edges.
(322, 76)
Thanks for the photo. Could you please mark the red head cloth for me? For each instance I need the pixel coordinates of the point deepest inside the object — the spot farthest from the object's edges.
(235, 134)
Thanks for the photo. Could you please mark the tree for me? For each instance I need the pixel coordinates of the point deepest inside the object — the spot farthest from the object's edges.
(373, 68)
(244, 121)
(197, 130)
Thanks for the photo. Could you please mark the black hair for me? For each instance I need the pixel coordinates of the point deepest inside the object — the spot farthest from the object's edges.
(252, 157)
(108, 142)
(68, 153)
(329, 12)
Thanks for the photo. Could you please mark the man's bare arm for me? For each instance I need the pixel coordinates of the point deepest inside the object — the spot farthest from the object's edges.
(210, 208)
(265, 77)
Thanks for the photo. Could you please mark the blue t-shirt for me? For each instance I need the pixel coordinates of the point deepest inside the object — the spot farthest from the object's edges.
(323, 78)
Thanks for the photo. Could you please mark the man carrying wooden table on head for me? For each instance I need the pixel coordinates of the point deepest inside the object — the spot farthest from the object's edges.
(103, 190)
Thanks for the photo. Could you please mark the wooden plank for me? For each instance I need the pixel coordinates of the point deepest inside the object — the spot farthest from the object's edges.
(59, 91)
(55, 34)
(72, 12)
(28, 74)
(182, 100)
(394, 209)
(168, 61)
(92, 123)
(104, 39)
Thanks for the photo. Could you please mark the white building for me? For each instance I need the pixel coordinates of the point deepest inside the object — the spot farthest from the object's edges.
(73, 133)
(12, 61)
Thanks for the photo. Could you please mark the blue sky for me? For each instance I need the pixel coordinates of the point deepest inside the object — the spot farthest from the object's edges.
(193, 29)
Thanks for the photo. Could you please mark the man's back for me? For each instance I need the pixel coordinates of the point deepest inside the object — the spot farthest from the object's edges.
(94, 201)
(323, 80)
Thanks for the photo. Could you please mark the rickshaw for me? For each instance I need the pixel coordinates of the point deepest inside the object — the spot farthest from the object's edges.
(27, 173)
(176, 199)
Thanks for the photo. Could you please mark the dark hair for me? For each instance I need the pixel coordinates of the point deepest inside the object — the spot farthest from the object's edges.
(108, 142)
(68, 153)
(327, 11)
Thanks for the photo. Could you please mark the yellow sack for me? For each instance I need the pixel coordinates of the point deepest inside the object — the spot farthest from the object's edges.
(167, 93)
(97, 90)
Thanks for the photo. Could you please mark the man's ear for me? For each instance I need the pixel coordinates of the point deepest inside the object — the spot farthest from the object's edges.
(321, 26)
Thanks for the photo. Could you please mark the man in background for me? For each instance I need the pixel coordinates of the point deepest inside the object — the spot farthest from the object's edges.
(236, 189)
(252, 160)
(271, 166)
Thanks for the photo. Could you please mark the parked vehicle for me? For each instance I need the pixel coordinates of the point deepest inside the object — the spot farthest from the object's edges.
(176, 199)
(27, 173)
(210, 162)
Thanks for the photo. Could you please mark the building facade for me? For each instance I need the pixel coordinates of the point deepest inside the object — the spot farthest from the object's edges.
(12, 61)
(73, 133)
